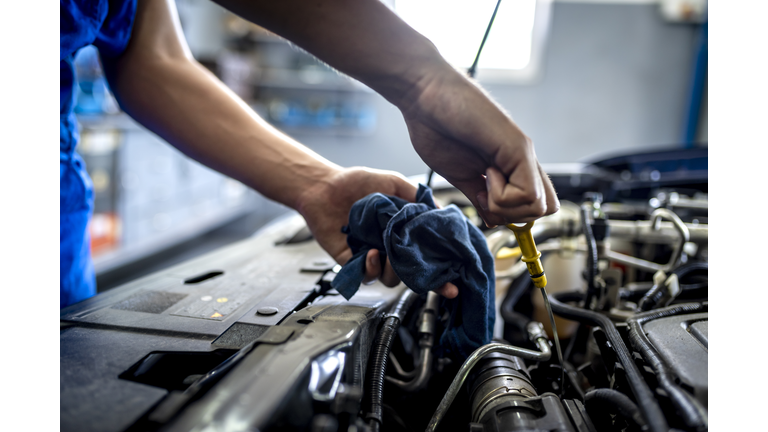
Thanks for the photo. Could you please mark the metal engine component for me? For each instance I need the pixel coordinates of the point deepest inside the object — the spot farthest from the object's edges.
(504, 399)
(498, 379)
(252, 337)
(536, 334)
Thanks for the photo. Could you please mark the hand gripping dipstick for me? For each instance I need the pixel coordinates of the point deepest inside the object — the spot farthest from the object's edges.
(532, 259)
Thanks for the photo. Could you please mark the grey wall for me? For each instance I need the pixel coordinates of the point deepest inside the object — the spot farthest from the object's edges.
(615, 76)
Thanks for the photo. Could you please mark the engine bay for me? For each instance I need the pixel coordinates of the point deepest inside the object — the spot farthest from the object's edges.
(253, 337)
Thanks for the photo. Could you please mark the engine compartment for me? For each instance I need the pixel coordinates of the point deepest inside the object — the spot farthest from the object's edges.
(252, 337)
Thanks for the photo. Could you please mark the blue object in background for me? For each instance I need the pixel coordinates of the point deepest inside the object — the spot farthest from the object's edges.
(107, 25)
(322, 115)
(698, 81)
(92, 95)
(427, 247)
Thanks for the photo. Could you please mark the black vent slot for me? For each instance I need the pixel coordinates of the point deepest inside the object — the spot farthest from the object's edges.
(175, 370)
(203, 277)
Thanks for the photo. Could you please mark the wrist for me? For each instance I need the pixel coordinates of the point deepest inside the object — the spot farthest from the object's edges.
(429, 82)
(316, 185)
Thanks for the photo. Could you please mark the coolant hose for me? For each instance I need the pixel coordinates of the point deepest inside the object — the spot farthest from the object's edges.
(377, 363)
(595, 401)
(692, 412)
(647, 404)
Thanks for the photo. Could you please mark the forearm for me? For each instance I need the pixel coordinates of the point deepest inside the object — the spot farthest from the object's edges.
(361, 38)
(167, 91)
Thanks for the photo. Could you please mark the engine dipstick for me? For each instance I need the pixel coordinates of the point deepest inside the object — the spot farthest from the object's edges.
(532, 259)
(531, 255)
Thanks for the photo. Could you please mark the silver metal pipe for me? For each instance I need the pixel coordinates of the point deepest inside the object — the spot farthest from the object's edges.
(424, 373)
(543, 354)
(667, 233)
(400, 371)
(426, 342)
(691, 203)
(631, 261)
(682, 230)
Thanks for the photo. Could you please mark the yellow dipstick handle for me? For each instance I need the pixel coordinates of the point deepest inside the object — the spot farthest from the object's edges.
(531, 255)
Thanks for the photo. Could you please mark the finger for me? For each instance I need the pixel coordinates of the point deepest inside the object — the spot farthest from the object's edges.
(475, 191)
(344, 256)
(553, 203)
(448, 290)
(372, 266)
(404, 189)
(522, 200)
(388, 276)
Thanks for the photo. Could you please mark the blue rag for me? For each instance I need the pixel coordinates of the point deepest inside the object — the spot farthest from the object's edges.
(427, 247)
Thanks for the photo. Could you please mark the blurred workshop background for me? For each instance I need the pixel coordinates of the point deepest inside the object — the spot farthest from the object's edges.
(582, 79)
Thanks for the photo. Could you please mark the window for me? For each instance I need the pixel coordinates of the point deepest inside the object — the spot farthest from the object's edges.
(513, 49)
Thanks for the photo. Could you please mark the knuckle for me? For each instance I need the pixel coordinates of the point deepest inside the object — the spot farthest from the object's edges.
(539, 208)
(554, 208)
(530, 197)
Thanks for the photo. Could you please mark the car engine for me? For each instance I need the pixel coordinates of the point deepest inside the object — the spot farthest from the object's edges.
(253, 338)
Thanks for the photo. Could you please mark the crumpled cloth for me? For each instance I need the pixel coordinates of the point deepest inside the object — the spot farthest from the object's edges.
(427, 247)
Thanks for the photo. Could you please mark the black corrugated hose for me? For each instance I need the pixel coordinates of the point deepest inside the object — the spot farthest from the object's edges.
(693, 413)
(595, 400)
(648, 405)
(377, 361)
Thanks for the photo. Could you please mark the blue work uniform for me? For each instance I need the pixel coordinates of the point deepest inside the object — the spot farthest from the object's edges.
(107, 25)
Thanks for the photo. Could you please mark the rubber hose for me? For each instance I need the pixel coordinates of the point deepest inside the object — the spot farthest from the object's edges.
(377, 363)
(595, 401)
(693, 413)
(516, 290)
(647, 404)
(592, 261)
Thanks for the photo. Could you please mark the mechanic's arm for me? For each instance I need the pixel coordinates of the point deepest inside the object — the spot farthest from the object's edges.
(454, 126)
(158, 83)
